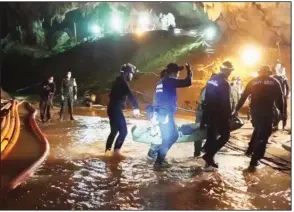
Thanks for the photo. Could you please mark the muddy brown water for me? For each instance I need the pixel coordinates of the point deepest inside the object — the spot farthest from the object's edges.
(77, 175)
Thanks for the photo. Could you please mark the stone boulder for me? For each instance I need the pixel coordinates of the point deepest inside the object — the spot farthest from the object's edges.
(59, 38)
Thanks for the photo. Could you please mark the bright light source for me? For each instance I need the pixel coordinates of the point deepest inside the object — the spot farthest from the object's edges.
(254, 74)
(95, 29)
(116, 22)
(143, 22)
(250, 55)
(177, 31)
(192, 32)
(209, 33)
(144, 19)
(139, 32)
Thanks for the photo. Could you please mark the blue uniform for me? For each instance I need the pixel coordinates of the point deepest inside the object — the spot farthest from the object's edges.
(166, 97)
(166, 92)
(217, 94)
(217, 113)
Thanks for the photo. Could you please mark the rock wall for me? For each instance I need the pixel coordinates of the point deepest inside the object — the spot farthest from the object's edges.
(266, 22)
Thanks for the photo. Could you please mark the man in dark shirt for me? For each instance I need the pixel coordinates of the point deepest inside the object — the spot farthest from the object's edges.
(117, 100)
(166, 99)
(217, 113)
(199, 114)
(46, 96)
(265, 91)
(68, 94)
(282, 78)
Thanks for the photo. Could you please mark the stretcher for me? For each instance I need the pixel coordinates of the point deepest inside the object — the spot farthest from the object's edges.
(150, 134)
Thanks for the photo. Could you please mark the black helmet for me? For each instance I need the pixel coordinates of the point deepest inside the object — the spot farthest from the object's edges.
(129, 68)
(227, 65)
(265, 70)
(173, 67)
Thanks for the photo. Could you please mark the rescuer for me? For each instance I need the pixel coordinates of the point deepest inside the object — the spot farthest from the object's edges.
(68, 94)
(117, 100)
(166, 100)
(280, 75)
(217, 113)
(265, 91)
(46, 97)
(199, 114)
(153, 150)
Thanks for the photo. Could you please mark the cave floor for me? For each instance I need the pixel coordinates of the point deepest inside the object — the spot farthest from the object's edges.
(77, 174)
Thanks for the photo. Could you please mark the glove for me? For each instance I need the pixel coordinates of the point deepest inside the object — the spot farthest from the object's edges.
(62, 97)
(136, 113)
(75, 97)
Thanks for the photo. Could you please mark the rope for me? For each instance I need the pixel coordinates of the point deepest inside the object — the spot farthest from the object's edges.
(282, 168)
(25, 88)
(179, 108)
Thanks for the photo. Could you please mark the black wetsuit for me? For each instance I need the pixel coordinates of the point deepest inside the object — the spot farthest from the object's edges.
(286, 90)
(68, 90)
(216, 114)
(117, 100)
(46, 97)
(265, 91)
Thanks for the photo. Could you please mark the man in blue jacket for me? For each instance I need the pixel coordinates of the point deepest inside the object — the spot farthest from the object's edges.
(166, 100)
(217, 113)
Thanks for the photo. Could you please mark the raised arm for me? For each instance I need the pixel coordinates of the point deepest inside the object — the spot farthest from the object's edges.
(182, 83)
